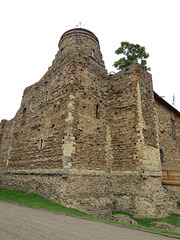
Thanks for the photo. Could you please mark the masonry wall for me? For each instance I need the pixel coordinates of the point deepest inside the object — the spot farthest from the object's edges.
(148, 110)
(88, 115)
(148, 142)
(132, 121)
(90, 131)
(169, 136)
(169, 141)
(5, 127)
(67, 97)
(122, 114)
(86, 139)
(34, 139)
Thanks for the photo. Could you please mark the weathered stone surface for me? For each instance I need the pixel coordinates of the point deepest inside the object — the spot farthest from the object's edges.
(124, 219)
(88, 139)
(98, 194)
(165, 226)
(173, 191)
(169, 135)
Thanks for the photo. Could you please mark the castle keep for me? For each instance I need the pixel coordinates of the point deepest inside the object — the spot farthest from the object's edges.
(90, 140)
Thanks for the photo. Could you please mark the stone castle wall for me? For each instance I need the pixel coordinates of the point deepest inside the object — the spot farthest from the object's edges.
(122, 117)
(87, 139)
(169, 135)
(169, 143)
(99, 194)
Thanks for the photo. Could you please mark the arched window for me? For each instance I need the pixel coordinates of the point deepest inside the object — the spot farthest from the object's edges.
(62, 51)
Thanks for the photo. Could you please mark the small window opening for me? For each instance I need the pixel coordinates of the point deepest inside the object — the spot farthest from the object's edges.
(97, 110)
(93, 53)
(46, 96)
(161, 155)
(173, 129)
(62, 51)
(41, 143)
(24, 116)
(21, 136)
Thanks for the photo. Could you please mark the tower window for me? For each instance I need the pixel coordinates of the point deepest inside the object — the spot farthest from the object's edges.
(24, 116)
(97, 110)
(62, 50)
(41, 143)
(161, 156)
(46, 96)
(93, 53)
(173, 129)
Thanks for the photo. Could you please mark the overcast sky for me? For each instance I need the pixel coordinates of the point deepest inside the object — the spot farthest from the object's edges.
(31, 29)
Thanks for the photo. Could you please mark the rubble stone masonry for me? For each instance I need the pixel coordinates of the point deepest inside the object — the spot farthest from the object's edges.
(169, 134)
(90, 140)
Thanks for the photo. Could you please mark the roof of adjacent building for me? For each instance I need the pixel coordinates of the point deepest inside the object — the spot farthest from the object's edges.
(166, 104)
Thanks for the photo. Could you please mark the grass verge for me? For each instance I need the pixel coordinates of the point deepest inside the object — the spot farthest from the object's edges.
(36, 201)
(173, 220)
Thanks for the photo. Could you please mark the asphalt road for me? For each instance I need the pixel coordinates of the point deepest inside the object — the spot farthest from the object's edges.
(24, 223)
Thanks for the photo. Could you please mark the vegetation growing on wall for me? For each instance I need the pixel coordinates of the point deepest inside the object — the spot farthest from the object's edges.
(132, 52)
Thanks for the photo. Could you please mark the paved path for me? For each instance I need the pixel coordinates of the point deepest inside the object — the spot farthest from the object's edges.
(23, 223)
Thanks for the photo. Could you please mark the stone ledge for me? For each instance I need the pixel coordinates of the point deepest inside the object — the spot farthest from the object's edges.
(73, 172)
(83, 172)
(39, 172)
(149, 174)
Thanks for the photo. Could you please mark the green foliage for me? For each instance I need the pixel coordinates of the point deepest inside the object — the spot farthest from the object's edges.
(0, 182)
(50, 68)
(132, 52)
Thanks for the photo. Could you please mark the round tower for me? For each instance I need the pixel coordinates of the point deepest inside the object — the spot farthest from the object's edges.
(82, 40)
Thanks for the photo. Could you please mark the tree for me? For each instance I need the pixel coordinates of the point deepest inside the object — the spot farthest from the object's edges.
(132, 52)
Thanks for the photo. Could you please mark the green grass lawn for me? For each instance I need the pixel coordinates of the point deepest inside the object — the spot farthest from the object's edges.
(146, 221)
(36, 201)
